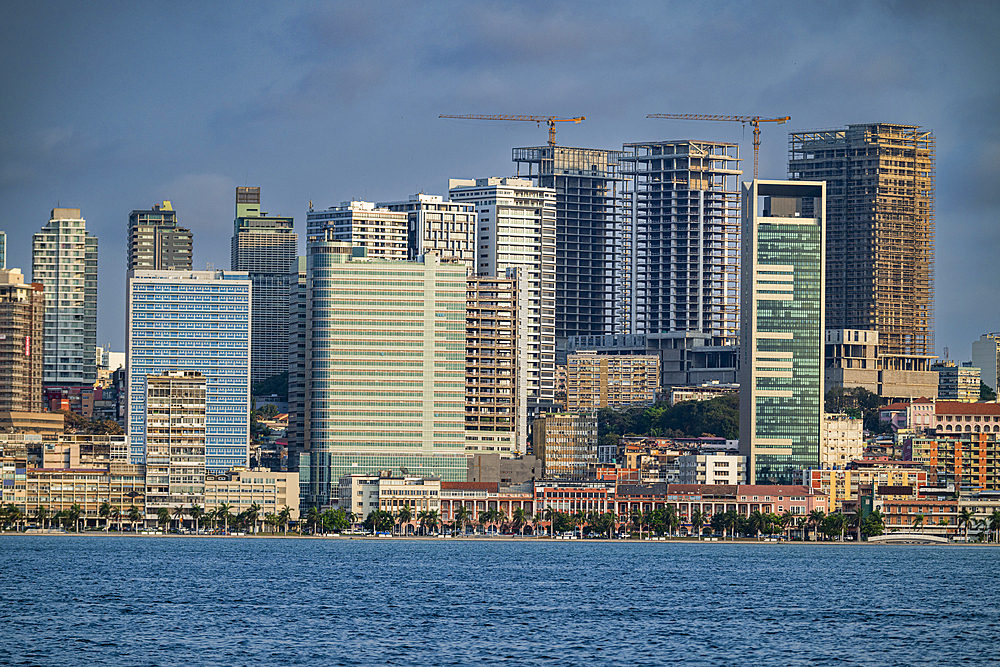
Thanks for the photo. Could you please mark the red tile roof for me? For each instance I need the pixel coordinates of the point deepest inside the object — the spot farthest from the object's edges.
(960, 408)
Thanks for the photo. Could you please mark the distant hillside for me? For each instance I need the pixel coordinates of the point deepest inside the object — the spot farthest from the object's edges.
(719, 417)
(276, 384)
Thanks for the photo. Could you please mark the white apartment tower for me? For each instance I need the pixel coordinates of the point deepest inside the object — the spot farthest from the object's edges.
(381, 232)
(517, 229)
(64, 260)
(445, 227)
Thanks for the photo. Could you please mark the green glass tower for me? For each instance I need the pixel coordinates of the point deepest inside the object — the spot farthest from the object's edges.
(781, 327)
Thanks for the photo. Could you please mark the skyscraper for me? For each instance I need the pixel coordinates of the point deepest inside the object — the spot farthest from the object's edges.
(685, 212)
(175, 426)
(446, 227)
(517, 229)
(880, 232)
(156, 242)
(192, 321)
(64, 260)
(587, 186)
(986, 357)
(22, 314)
(363, 224)
(781, 328)
(265, 247)
(384, 372)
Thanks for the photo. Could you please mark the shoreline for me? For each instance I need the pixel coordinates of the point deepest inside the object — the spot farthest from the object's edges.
(499, 538)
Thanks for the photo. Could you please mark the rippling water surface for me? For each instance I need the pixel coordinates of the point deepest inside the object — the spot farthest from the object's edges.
(74, 600)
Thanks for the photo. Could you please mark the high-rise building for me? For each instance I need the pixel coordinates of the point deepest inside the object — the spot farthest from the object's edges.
(781, 328)
(174, 423)
(298, 316)
(64, 260)
(192, 321)
(957, 382)
(496, 392)
(22, 317)
(685, 212)
(381, 232)
(566, 444)
(156, 242)
(880, 232)
(445, 227)
(264, 247)
(517, 229)
(587, 187)
(3, 250)
(384, 372)
(986, 357)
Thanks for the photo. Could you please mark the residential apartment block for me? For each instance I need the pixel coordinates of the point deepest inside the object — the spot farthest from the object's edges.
(566, 444)
(22, 318)
(241, 488)
(611, 381)
(843, 441)
(381, 232)
(957, 382)
(156, 242)
(64, 260)
(445, 227)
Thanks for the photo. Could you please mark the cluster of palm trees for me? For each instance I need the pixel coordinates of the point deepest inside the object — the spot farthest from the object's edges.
(330, 521)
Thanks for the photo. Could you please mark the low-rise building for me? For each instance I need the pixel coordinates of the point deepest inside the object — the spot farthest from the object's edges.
(240, 488)
(703, 392)
(957, 382)
(712, 468)
(844, 485)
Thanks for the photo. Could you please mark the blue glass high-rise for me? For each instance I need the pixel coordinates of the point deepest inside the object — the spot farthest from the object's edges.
(198, 321)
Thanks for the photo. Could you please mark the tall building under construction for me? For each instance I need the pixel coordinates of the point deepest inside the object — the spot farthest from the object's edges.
(587, 184)
(880, 232)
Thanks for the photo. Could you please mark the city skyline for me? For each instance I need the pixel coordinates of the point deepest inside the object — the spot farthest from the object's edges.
(349, 81)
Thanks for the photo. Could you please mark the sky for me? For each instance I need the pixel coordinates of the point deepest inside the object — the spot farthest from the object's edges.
(110, 107)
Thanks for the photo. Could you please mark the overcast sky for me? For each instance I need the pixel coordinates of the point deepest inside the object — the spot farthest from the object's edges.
(109, 107)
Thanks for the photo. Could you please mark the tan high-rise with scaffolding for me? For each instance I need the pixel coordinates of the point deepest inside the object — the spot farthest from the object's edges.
(880, 232)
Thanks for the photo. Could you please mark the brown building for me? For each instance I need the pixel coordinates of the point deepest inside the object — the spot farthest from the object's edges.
(566, 444)
(22, 317)
(611, 381)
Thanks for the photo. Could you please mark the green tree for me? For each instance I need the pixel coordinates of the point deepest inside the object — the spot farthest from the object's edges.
(816, 521)
(222, 513)
(134, 515)
(162, 516)
(966, 518)
(520, 520)
(42, 515)
(179, 516)
(196, 513)
(463, 516)
(116, 516)
(285, 514)
(105, 513)
(405, 516)
(918, 521)
(73, 516)
(994, 522)
(313, 518)
(253, 514)
(986, 393)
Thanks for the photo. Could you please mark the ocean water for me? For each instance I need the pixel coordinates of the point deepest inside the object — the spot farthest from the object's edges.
(126, 600)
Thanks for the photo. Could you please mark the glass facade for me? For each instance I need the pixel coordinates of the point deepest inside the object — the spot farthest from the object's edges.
(193, 321)
(781, 406)
(384, 375)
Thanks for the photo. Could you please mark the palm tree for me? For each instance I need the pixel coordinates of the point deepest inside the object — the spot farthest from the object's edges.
(966, 517)
(637, 519)
(116, 516)
(816, 518)
(520, 519)
(285, 514)
(105, 513)
(405, 516)
(732, 522)
(463, 515)
(134, 515)
(313, 516)
(802, 523)
(222, 512)
(196, 513)
(162, 516)
(697, 521)
(73, 514)
(580, 519)
(253, 513)
(535, 522)
(995, 524)
(787, 519)
(549, 515)
(918, 521)
(42, 514)
(274, 521)
(756, 522)
(179, 515)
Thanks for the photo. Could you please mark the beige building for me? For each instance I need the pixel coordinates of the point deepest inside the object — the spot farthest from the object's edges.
(611, 381)
(703, 392)
(446, 227)
(363, 494)
(22, 314)
(381, 232)
(566, 444)
(843, 441)
(496, 383)
(242, 488)
(853, 359)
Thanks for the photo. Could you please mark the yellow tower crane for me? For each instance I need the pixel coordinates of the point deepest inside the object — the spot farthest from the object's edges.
(550, 120)
(753, 120)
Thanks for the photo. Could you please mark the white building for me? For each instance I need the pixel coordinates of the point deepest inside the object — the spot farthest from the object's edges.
(712, 468)
(843, 441)
(381, 232)
(363, 494)
(517, 229)
(434, 224)
(64, 259)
